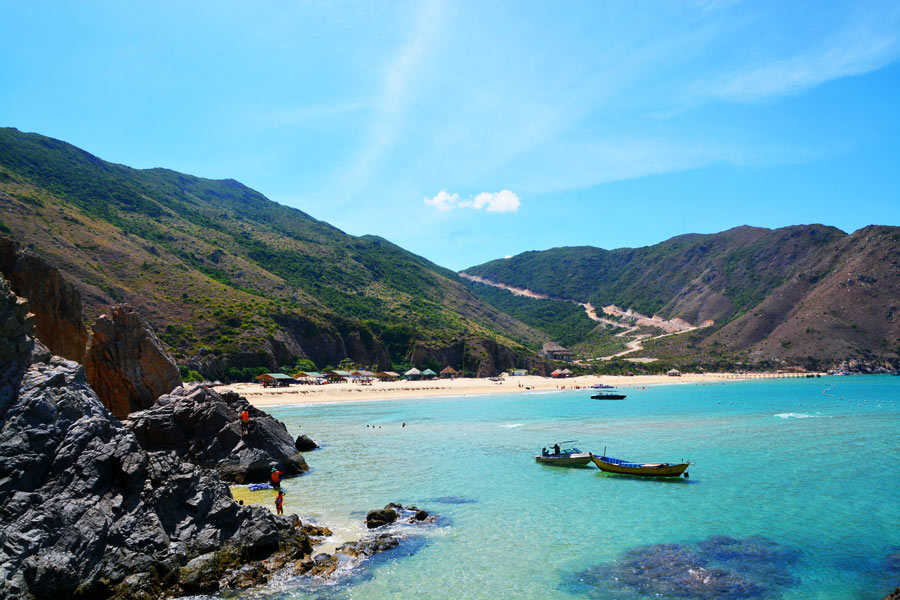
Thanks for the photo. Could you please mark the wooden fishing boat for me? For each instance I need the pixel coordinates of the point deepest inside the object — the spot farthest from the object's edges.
(607, 396)
(624, 467)
(565, 457)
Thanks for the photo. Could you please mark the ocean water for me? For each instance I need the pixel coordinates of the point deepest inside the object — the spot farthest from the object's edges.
(795, 493)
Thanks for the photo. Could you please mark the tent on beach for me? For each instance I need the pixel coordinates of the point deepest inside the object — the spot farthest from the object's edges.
(450, 372)
(428, 374)
(413, 373)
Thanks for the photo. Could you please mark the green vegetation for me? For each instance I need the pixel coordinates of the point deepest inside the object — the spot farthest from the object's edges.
(217, 265)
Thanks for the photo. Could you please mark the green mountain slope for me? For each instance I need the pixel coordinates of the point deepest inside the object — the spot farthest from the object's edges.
(775, 296)
(231, 279)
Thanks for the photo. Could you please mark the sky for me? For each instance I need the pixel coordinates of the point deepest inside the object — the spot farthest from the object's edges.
(466, 130)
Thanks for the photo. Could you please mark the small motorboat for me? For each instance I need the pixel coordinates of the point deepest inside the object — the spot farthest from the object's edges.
(564, 457)
(603, 386)
(608, 396)
(624, 467)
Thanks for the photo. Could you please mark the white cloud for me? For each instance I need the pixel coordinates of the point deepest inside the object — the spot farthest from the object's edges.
(504, 201)
(443, 201)
(500, 202)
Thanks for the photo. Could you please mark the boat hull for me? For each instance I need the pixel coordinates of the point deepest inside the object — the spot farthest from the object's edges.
(643, 469)
(608, 397)
(565, 460)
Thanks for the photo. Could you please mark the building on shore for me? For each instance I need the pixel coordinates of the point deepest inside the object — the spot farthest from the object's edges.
(673, 373)
(413, 374)
(387, 376)
(553, 351)
(428, 374)
(275, 379)
(449, 372)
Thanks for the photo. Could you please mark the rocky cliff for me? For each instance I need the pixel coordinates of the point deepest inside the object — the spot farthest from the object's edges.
(88, 513)
(126, 364)
(55, 301)
(203, 427)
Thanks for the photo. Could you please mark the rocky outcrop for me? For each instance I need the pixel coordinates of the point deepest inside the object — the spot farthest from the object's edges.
(203, 427)
(126, 364)
(55, 302)
(88, 513)
(394, 511)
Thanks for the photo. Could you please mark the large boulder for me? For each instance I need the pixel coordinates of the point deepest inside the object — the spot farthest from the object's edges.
(55, 302)
(305, 443)
(88, 513)
(126, 364)
(203, 427)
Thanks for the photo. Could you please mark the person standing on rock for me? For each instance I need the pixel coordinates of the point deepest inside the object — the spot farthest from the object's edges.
(245, 422)
(276, 478)
(279, 501)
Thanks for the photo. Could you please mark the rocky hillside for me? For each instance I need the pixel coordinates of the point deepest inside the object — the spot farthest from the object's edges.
(229, 279)
(809, 295)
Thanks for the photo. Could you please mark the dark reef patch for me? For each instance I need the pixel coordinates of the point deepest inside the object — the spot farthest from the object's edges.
(454, 500)
(718, 567)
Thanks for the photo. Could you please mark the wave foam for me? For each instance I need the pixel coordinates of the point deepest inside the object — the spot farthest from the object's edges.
(795, 416)
(511, 425)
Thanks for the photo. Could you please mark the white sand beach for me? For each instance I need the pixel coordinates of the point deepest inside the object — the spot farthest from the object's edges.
(378, 390)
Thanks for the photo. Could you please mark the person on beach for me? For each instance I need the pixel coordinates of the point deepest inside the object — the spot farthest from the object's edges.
(245, 422)
(279, 501)
(276, 478)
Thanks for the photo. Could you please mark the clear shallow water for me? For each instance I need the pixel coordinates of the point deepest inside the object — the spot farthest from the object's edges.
(816, 475)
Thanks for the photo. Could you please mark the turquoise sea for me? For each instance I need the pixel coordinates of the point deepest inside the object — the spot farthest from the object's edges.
(795, 493)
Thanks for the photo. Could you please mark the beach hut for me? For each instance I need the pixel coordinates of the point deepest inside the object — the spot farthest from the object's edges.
(673, 373)
(428, 374)
(449, 372)
(309, 377)
(388, 376)
(275, 379)
(553, 351)
(413, 373)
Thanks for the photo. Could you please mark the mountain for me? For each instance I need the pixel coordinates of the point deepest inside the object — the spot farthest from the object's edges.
(806, 295)
(231, 280)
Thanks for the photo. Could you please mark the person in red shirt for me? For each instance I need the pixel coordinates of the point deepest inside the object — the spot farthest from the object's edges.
(276, 478)
(245, 422)
(279, 500)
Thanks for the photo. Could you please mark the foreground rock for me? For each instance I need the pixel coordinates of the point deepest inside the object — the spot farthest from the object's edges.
(89, 513)
(126, 364)
(203, 427)
(55, 302)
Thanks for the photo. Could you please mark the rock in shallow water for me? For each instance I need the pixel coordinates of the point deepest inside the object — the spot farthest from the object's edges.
(720, 567)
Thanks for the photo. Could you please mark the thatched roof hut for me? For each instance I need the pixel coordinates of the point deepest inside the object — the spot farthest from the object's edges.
(449, 371)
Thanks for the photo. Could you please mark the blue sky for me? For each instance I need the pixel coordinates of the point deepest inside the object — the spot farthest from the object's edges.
(466, 131)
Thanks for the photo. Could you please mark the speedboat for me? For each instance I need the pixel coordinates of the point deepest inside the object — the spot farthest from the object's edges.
(566, 457)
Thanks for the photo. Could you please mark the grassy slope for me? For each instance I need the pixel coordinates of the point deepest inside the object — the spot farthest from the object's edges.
(774, 294)
(214, 263)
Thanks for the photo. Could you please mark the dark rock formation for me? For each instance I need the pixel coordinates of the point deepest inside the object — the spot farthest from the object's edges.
(55, 302)
(305, 444)
(88, 513)
(126, 364)
(895, 595)
(203, 427)
(394, 511)
(379, 518)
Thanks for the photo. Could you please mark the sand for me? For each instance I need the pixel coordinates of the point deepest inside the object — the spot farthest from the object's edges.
(378, 390)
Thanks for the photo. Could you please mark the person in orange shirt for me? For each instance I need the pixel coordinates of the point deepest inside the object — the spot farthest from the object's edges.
(245, 422)
(279, 500)
(276, 478)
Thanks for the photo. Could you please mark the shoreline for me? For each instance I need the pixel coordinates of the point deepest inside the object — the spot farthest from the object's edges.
(347, 392)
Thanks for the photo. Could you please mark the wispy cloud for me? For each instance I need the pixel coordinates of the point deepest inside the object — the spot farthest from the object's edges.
(303, 114)
(868, 41)
(396, 93)
(500, 202)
